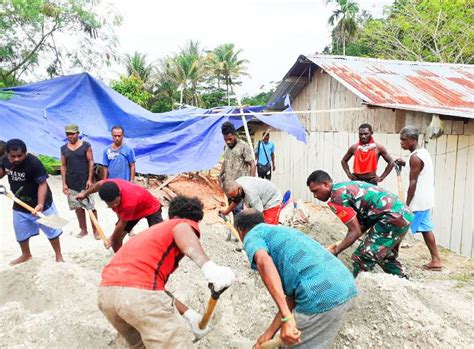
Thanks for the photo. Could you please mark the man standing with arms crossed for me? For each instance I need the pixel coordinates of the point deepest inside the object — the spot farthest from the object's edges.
(77, 171)
(366, 156)
(119, 158)
(420, 194)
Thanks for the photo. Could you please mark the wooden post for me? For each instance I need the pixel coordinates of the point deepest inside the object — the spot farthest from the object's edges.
(247, 133)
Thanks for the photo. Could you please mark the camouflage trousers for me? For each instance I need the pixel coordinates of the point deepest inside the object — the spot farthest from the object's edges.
(381, 244)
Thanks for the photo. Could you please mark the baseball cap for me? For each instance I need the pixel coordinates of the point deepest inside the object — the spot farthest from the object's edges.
(72, 128)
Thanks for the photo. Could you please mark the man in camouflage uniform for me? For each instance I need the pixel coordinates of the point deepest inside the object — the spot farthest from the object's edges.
(363, 206)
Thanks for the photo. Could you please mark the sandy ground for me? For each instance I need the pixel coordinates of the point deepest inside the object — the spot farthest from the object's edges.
(44, 304)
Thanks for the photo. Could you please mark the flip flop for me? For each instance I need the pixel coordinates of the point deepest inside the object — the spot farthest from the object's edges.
(431, 268)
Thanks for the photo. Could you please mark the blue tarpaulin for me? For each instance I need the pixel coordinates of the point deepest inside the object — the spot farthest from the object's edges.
(179, 141)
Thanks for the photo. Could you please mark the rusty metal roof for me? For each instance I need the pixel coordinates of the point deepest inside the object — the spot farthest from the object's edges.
(438, 88)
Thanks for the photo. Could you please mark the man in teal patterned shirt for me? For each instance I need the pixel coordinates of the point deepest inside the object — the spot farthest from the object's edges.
(312, 289)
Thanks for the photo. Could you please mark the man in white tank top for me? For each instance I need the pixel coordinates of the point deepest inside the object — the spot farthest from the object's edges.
(420, 193)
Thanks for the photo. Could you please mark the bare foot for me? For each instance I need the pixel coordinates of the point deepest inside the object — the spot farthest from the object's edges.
(21, 259)
(96, 236)
(81, 234)
(432, 266)
(59, 259)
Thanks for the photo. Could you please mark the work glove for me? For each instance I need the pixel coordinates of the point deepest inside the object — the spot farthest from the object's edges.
(193, 318)
(220, 277)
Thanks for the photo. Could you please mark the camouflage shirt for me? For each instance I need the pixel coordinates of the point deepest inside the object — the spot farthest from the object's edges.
(365, 201)
(236, 161)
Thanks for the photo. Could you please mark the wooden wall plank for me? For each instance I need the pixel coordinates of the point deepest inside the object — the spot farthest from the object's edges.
(459, 193)
(467, 241)
(439, 209)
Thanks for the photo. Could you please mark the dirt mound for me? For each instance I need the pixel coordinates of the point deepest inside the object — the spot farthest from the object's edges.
(47, 304)
(406, 314)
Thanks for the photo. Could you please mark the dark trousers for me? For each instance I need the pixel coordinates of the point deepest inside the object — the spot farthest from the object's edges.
(152, 219)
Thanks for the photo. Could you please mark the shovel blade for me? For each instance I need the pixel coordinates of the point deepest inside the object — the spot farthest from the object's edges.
(54, 222)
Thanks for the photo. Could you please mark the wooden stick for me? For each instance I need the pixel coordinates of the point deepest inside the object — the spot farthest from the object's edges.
(168, 181)
(211, 305)
(98, 228)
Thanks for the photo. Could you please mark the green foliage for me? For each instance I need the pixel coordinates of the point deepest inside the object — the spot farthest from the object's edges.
(51, 164)
(29, 30)
(261, 98)
(419, 30)
(343, 19)
(132, 88)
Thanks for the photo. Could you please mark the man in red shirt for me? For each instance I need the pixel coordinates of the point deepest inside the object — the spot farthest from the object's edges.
(366, 155)
(132, 295)
(130, 201)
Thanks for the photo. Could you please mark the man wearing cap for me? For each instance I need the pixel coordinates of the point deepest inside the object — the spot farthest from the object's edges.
(77, 171)
(130, 201)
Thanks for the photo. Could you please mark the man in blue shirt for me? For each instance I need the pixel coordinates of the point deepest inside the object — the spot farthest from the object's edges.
(265, 151)
(119, 159)
(312, 289)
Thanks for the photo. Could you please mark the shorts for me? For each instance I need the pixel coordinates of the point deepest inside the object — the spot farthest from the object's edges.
(75, 204)
(152, 219)
(271, 215)
(422, 222)
(145, 318)
(319, 331)
(26, 225)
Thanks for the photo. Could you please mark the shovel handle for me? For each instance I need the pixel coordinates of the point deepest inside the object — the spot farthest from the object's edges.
(11, 196)
(207, 315)
(98, 227)
(231, 227)
(275, 342)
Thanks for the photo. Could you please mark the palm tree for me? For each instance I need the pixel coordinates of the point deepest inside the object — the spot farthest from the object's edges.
(226, 66)
(137, 66)
(345, 16)
(188, 70)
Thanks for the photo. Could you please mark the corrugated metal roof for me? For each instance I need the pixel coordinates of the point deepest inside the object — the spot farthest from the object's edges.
(445, 89)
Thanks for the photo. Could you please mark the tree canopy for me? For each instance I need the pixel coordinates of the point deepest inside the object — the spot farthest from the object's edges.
(419, 30)
(33, 32)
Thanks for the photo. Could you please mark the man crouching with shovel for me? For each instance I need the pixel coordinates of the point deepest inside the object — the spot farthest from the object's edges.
(312, 289)
(132, 295)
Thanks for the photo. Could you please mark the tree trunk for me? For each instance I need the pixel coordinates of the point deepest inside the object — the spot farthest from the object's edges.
(181, 98)
(227, 91)
(343, 39)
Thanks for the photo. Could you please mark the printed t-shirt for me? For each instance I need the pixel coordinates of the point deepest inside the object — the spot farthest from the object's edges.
(135, 201)
(24, 180)
(236, 159)
(147, 260)
(316, 279)
(118, 161)
(365, 201)
(365, 157)
(77, 166)
(269, 148)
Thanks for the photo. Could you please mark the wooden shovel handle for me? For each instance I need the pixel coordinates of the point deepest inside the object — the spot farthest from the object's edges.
(207, 315)
(400, 188)
(231, 227)
(11, 196)
(275, 342)
(98, 227)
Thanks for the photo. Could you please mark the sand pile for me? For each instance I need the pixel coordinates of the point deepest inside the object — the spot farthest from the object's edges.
(44, 304)
(47, 304)
(406, 314)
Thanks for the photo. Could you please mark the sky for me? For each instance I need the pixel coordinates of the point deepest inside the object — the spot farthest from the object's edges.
(271, 33)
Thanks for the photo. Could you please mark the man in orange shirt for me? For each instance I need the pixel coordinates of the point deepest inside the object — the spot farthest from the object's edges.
(132, 295)
(366, 156)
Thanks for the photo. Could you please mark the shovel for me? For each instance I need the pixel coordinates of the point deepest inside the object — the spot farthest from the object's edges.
(94, 221)
(211, 305)
(271, 344)
(398, 169)
(230, 226)
(54, 222)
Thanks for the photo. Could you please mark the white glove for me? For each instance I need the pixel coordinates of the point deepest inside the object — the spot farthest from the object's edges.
(193, 318)
(219, 277)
